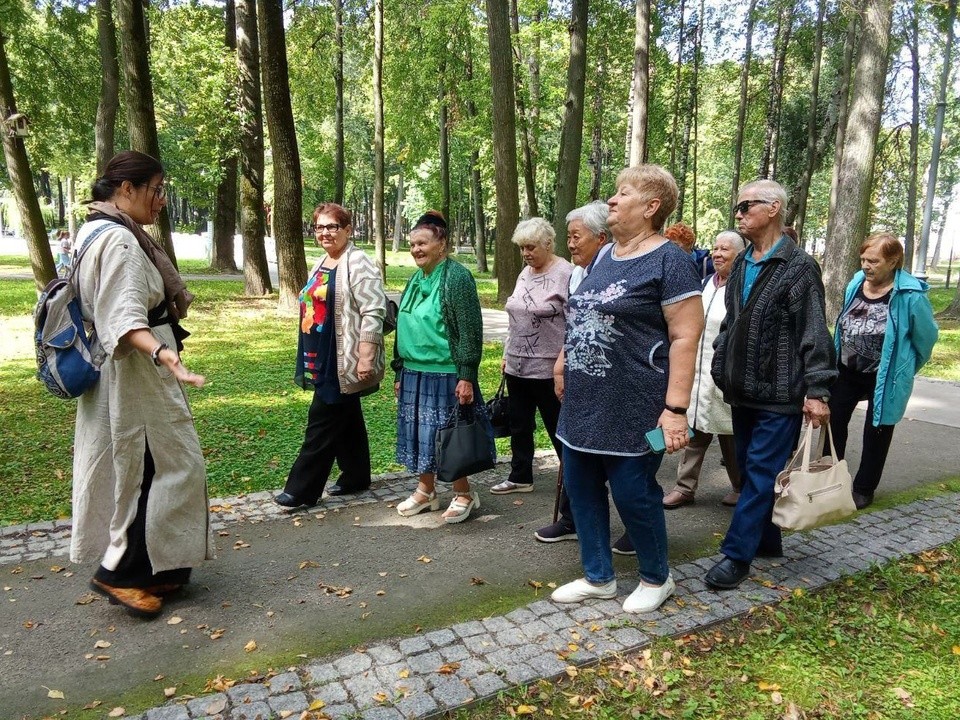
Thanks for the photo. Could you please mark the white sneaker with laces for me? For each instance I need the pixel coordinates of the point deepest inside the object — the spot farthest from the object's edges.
(647, 598)
(580, 590)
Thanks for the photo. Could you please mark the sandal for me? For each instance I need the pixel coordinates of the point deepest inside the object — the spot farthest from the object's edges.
(137, 601)
(461, 508)
(410, 506)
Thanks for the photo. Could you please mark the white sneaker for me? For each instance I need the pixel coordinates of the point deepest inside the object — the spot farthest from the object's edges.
(580, 590)
(647, 598)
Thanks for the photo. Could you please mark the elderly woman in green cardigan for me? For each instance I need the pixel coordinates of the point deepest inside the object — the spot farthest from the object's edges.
(437, 356)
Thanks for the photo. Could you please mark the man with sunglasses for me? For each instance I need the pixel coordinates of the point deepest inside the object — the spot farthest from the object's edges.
(774, 362)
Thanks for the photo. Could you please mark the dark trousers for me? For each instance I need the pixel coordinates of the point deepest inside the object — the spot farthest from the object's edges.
(134, 568)
(850, 388)
(527, 396)
(765, 442)
(334, 432)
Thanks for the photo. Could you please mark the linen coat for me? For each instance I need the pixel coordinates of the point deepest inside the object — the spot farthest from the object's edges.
(135, 403)
(708, 412)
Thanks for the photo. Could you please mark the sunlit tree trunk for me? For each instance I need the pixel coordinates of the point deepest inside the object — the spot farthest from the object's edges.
(444, 144)
(109, 85)
(771, 144)
(678, 89)
(526, 139)
(742, 111)
(398, 216)
(378, 131)
(18, 169)
(225, 203)
(339, 163)
(641, 84)
(859, 152)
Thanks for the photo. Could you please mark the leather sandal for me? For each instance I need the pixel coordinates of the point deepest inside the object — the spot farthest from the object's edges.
(461, 508)
(137, 601)
(410, 506)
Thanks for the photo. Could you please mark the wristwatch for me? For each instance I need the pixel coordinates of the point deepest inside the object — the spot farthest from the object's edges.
(675, 410)
(155, 355)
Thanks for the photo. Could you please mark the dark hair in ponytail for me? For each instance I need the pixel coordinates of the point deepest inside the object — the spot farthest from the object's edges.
(131, 165)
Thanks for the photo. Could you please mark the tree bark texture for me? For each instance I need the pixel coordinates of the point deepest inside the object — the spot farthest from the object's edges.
(859, 152)
(678, 87)
(18, 169)
(742, 111)
(690, 115)
(138, 91)
(256, 272)
(339, 163)
(913, 45)
(225, 202)
(378, 179)
(596, 138)
(527, 143)
(771, 144)
(109, 85)
(480, 235)
(287, 183)
(508, 262)
(444, 144)
(641, 84)
(571, 134)
(797, 207)
(398, 216)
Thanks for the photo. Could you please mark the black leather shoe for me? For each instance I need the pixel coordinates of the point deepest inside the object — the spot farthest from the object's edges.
(289, 501)
(862, 500)
(727, 574)
(337, 489)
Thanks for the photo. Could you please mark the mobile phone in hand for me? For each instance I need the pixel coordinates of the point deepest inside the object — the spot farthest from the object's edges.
(656, 440)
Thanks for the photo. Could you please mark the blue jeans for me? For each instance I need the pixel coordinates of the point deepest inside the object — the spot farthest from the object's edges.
(639, 500)
(765, 441)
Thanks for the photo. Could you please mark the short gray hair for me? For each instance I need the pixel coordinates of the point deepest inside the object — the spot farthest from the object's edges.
(535, 231)
(593, 216)
(770, 191)
(735, 238)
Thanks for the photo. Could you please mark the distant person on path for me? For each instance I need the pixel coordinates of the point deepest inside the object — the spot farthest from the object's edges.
(340, 357)
(437, 358)
(588, 240)
(774, 363)
(709, 415)
(535, 312)
(139, 478)
(885, 333)
(632, 332)
(63, 255)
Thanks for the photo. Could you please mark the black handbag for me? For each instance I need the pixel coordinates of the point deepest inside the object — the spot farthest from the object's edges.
(498, 408)
(465, 444)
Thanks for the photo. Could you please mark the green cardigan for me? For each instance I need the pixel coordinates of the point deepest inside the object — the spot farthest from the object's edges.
(460, 306)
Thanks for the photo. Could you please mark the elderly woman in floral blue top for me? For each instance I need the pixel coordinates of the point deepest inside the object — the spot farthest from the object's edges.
(632, 331)
(340, 356)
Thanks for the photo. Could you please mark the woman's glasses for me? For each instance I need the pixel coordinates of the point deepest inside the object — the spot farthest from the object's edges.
(159, 191)
(743, 207)
(331, 228)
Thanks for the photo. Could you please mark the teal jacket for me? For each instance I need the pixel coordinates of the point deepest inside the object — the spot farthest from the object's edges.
(910, 336)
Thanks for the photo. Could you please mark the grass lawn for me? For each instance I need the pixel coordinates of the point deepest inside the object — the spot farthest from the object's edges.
(883, 645)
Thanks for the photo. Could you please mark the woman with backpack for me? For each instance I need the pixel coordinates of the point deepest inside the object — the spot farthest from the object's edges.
(139, 479)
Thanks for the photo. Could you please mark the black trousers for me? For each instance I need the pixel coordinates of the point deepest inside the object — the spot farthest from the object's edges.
(134, 568)
(850, 388)
(334, 432)
(527, 396)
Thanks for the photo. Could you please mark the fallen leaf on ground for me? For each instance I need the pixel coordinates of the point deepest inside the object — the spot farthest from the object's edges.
(308, 564)
(53, 694)
(117, 712)
(404, 673)
(424, 559)
(317, 705)
(102, 644)
(767, 687)
(169, 692)
(217, 634)
(380, 697)
(175, 620)
(381, 592)
(93, 705)
(518, 502)
(56, 569)
(477, 581)
(383, 574)
(776, 698)
(250, 646)
(525, 709)
(448, 668)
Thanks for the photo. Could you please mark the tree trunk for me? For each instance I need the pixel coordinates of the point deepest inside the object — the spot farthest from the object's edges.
(287, 215)
(61, 204)
(859, 152)
(138, 90)
(921, 263)
(444, 144)
(641, 84)
(944, 213)
(256, 272)
(532, 208)
(71, 204)
(910, 230)
(18, 169)
(339, 164)
(678, 89)
(797, 207)
(378, 179)
(742, 112)
(843, 112)
(690, 115)
(398, 218)
(225, 203)
(480, 238)
(508, 263)
(109, 85)
(768, 161)
(596, 139)
(571, 134)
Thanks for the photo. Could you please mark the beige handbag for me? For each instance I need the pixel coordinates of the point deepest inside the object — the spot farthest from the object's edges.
(813, 492)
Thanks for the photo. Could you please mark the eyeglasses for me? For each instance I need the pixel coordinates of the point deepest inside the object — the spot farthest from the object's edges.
(743, 207)
(331, 228)
(159, 191)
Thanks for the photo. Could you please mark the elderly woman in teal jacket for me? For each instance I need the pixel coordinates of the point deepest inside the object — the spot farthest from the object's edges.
(884, 335)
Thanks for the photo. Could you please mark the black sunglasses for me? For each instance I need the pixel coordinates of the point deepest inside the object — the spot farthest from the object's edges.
(743, 207)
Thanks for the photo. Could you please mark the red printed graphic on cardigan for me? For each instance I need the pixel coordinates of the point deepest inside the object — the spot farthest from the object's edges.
(313, 313)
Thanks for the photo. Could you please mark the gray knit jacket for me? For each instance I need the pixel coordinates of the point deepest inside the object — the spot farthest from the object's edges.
(776, 349)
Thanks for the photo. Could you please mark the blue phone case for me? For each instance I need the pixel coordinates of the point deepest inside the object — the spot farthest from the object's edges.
(656, 440)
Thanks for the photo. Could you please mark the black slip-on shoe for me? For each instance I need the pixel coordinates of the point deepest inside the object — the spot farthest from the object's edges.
(727, 574)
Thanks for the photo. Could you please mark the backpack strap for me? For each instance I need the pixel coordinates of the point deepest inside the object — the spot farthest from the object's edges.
(97, 232)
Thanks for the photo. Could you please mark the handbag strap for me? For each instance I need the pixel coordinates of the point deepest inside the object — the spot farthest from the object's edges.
(501, 389)
(802, 452)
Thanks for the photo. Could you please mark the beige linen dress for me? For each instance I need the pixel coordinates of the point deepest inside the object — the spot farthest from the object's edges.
(134, 404)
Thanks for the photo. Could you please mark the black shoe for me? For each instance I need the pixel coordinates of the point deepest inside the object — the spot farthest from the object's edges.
(337, 489)
(558, 532)
(727, 574)
(289, 501)
(623, 546)
(862, 500)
